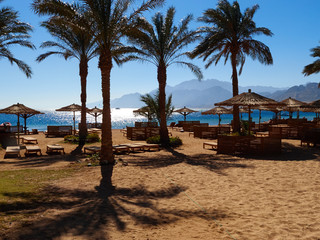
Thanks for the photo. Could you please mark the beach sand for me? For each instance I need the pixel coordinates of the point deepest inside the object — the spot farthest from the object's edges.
(185, 193)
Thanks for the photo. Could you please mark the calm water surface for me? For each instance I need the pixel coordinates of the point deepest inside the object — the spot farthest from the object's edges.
(124, 117)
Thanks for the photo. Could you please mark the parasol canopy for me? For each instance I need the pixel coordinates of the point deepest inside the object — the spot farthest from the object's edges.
(292, 105)
(96, 112)
(249, 99)
(185, 111)
(312, 107)
(144, 111)
(21, 111)
(217, 111)
(72, 108)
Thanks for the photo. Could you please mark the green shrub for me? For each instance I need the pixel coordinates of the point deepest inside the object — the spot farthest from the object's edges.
(154, 140)
(93, 137)
(71, 138)
(174, 141)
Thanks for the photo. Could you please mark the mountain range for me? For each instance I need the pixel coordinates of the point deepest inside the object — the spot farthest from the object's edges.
(203, 94)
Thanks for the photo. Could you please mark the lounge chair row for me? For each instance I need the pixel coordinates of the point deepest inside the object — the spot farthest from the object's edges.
(127, 148)
(32, 149)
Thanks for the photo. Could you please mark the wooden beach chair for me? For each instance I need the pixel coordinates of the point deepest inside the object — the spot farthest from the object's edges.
(55, 148)
(29, 140)
(33, 149)
(92, 149)
(12, 150)
(213, 145)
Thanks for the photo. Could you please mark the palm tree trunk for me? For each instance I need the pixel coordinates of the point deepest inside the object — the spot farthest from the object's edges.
(83, 67)
(162, 80)
(106, 158)
(235, 91)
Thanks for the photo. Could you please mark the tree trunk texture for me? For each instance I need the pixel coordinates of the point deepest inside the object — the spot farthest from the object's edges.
(162, 80)
(83, 67)
(235, 91)
(106, 158)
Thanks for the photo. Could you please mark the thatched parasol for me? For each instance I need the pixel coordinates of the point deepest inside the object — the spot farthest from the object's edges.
(185, 111)
(21, 111)
(274, 109)
(249, 99)
(217, 111)
(144, 111)
(72, 108)
(312, 107)
(292, 105)
(96, 112)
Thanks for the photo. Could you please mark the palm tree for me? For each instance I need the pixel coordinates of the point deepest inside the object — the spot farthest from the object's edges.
(73, 41)
(315, 66)
(161, 43)
(14, 32)
(112, 22)
(231, 36)
(152, 103)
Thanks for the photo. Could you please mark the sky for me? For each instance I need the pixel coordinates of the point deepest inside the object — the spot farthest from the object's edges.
(56, 82)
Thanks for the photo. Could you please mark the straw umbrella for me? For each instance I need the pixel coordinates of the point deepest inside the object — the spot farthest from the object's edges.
(292, 105)
(243, 110)
(312, 107)
(217, 111)
(21, 111)
(275, 109)
(144, 111)
(96, 112)
(185, 111)
(72, 108)
(249, 99)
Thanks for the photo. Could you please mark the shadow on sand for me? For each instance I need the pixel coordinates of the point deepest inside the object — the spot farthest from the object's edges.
(87, 214)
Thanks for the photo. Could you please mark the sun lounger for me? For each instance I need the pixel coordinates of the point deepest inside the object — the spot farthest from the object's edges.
(12, 150)
(148, 147)
(92, 149)
(120, 148)
(213, 145)
(55, 148)
(134, 147)
(29, 140)
(33, 149)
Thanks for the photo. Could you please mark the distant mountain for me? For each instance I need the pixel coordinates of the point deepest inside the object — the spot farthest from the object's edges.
(203, 94)
(305, 93)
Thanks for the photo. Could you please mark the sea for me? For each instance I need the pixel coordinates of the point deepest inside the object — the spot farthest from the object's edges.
(125, 117)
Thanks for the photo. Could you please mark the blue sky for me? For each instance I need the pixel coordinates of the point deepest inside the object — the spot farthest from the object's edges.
(55, 82)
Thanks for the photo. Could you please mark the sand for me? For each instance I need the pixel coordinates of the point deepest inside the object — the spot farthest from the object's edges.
(185, 193)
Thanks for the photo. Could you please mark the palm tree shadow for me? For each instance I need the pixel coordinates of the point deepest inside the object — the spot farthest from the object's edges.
(211, 162)
(73, 156)
(85, 213)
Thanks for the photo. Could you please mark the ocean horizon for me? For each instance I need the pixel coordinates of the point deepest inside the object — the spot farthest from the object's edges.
(124, 117)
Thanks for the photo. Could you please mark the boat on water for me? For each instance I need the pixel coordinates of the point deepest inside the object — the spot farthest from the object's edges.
(117, 108)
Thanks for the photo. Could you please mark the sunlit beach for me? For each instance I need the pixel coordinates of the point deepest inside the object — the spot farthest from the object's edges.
(159, 119)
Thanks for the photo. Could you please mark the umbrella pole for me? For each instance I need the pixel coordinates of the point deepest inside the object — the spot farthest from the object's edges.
(298, 114)
(185, 116)
(95, 120)
(74, 123)
(249, 121)
(259, 118)
(25, 123)
(18, 130)
(219, 122)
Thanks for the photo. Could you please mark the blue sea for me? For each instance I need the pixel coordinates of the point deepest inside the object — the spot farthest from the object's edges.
(124, 117)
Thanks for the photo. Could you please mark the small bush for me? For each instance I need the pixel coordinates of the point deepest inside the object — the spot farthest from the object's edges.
(71, 138)
(154, 140)
(93, 137)
(174, 141)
